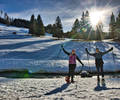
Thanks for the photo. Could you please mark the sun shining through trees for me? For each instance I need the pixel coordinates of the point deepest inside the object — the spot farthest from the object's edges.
(92, 24)
(96, 16)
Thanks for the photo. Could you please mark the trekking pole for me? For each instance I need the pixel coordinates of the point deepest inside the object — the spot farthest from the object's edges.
(77, 78)
(113, 56)
(114, 59)
(88, 62)
(88, 58)
(81, 69)
(59, 51)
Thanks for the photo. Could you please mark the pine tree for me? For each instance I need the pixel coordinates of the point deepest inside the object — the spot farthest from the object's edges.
(83, 26)
(48, 28)
(35, 27)
(112, 26)
(7, 19)
(76, 26)
(84, 22)
(118, 26)
(118, 19)
(86, 28)
(40, 26)
(1, 12)
(53, 30)
(87, 14)
(83, 19)
(59, 30)
(32, 25)
(99, 31)
(5, 16)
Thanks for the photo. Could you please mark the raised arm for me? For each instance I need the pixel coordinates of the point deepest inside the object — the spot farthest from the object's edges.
(107, 51)
(92, 54)
(65, 51)
(80, 61)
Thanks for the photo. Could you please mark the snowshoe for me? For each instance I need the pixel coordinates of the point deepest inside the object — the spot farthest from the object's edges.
(67, 79)
(103, 85)
(103, 82)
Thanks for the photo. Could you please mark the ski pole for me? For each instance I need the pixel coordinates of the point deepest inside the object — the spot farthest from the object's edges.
(114, 58)
(88, 62)
(59, 51)
(81, 69)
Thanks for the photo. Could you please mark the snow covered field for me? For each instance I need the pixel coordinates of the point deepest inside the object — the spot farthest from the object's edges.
(22, 51)
(57, 89)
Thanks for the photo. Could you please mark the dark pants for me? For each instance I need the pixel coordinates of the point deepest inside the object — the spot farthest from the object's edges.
(71, 71)
(100, 71)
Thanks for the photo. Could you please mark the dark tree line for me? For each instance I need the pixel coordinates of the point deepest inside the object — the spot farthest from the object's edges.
(5, 19)
(20, 23)
(56, 29)
(35, 25)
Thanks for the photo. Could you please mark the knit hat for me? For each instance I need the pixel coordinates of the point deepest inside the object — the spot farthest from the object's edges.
(73, 50)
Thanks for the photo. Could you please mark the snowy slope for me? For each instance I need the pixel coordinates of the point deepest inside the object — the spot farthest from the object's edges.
(22, 51)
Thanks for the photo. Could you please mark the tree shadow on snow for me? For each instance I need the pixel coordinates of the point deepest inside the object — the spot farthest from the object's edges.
(103, 87)
(57, 90)
(23, 44)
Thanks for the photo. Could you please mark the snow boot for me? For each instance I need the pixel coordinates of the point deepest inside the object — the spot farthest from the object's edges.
(98, 80)
(72, 81)
(103, 82)
(67, 79)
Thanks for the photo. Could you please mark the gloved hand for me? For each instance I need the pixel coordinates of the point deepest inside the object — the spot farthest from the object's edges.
(86, 49)
(61, 45)
(111, 48)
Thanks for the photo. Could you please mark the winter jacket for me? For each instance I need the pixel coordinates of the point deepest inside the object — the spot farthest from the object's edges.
(98, 56)
(72, 57)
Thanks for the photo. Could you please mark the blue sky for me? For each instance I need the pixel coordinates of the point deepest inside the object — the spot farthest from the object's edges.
(68, 10)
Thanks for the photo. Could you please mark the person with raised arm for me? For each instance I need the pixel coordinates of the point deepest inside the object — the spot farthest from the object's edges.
(99, 62)
(72, 62)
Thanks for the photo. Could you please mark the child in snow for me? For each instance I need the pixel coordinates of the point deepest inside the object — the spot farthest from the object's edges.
(72, 63)
(99, 61)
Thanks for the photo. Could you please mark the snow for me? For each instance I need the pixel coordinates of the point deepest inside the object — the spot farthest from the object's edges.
(44, 54)
(57, 89)
(22, 51)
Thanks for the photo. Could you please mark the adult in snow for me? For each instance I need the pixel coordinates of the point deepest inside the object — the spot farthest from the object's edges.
(99, 62)
(72, 63)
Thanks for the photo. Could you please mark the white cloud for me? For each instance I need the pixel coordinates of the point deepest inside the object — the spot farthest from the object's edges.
(88, 2)
(67, 15)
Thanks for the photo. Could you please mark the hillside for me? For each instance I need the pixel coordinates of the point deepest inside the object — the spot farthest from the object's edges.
(43, 54)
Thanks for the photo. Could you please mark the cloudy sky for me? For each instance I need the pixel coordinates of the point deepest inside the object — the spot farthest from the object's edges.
(68, 10)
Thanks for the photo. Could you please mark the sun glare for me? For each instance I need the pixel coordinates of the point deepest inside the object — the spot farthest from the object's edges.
(96, 17)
